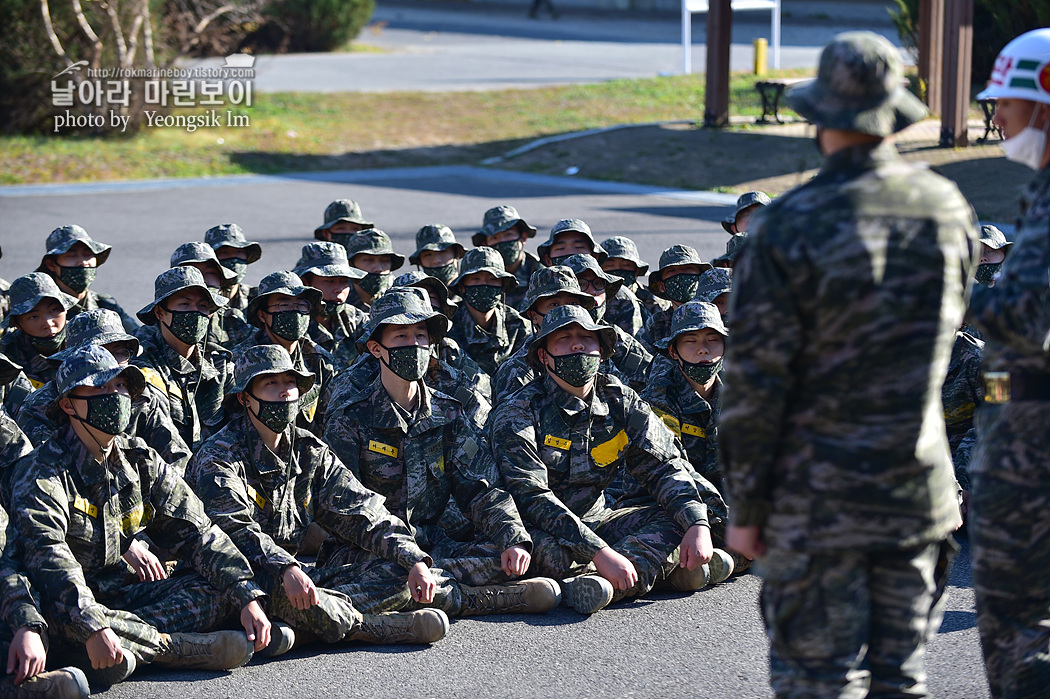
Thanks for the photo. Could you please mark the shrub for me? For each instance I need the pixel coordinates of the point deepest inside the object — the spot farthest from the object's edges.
(320, 25)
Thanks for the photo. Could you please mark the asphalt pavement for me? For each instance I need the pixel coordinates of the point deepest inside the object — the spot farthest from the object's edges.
(709, 644)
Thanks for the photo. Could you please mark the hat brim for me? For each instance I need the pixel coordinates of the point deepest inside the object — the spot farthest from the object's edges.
(253, 250)
(664, 343)
(100, 340)
(606, 337)
(63, 298)
(658, 276)
(478, 239)
(146, 316)
(509, 281)
(437, 326)
(436, 247)
(397, 261)
(229, 277)
(312, 295)
(100, 250)
(586, 300)
(896, 112)
(136, 381)
(348, 219)
(304, 380)
(331, 271)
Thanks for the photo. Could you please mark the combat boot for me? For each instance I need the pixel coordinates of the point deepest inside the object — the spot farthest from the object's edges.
(422, 626)
(533, 596)
(221, 650)
(586, 594)
(721, 565)
(67, 683)
(111, 675)
(282, 638)
(684, 580)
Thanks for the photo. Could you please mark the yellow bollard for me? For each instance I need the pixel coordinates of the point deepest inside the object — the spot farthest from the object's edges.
(761, 56)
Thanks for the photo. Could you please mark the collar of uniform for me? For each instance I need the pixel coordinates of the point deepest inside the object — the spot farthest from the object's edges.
(868, 154)
(571, 405)
(384, 416)
(529, 265)
(691, 402)
(477, 333)
(92, 472)
(178, 364)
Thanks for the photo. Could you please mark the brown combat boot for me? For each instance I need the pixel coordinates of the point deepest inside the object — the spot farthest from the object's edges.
(684, 580)
(586, 594)
(721, 565)
(533, 596)
(112, 675)
(67, 683)
(221, 650)
(422, 626)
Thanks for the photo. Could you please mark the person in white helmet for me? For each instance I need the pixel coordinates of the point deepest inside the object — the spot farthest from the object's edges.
(1010, 472)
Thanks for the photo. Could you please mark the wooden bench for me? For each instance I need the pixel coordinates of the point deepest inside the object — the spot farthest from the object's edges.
(771, 90)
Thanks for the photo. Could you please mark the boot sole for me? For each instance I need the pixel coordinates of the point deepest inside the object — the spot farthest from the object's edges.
(587, 594)
(721, 566)
(282, 639)
(112, 675)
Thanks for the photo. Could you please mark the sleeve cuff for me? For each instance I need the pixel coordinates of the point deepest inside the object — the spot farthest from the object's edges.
(410, 556)
(695, 513)
(244, 593)
(90, 620)
(749, 513)
(26, 615)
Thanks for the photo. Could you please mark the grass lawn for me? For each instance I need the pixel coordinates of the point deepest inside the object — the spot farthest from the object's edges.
(297, 132)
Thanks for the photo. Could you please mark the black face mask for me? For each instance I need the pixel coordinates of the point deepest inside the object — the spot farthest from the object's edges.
(576, 369)
(629, 278)
(330, 308)
(109, 413)
(236, 265)
(560, 259)
(509, 250)
(375, 283)
(289, 325)
(77, 278)
(701, 372)
(48, 345)
(446, 273)
(482, 298)
(410, 363)
(188, 327)
(342, 238)
(985, 273)
(682, 287)
(276, 415)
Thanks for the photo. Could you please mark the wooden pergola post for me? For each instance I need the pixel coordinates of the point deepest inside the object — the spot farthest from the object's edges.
(958, 54)
(719, 37)
(931, 48)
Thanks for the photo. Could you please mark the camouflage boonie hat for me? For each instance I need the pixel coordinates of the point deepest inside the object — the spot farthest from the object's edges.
(99, 326)
(622, 247)
(859, 87)
(93, 365)
(714, 283)
(172, 281)
(188, 253)
(281, 282)
(993, 237)
(484, 259)
(341, 210)
(326, 259)
(572, 224)
(9, 371)
(403, 306)
(694, 315)
(745, 201)
(30, 289)
(435, 236)
(561, 316)
(676, 256)
(230, 235)
(734, 246)
(373, 242)
(63, 238)
(551, 281)
(499, 219)
(264, 360)
(433, 285)
(583, 263)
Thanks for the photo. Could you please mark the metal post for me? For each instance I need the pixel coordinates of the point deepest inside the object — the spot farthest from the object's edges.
(931, 49)
(958, 54)
(687, 38)
(776, 35)
(719, 37)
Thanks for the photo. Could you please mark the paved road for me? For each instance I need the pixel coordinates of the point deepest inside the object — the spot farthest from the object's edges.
(441, 47)
(710, 644)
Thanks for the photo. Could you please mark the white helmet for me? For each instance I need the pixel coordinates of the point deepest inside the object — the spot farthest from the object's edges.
(1022, 70)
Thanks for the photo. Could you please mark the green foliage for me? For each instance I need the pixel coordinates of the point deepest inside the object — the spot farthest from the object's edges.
(27, 63)
(320, 25)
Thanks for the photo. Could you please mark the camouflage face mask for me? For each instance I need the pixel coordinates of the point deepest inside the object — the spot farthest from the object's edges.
(330, 308)
(701, 372)
(629, 278)
(188, 327)
(375, 283)
(509, 250)
(446, 273)
(48, 345)
(986, 273)
(276, 415)
(77, 278)
(560, 259)
(342, 238)
(236, 265)
(410, 363)
(109, 413)
(576, 369)
(598, 312)
(682, 287)
(289, 325)
(482, 298)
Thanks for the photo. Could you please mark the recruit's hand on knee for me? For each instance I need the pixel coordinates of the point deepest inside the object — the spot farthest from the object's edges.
(300, 588)
(27, 656)
(147, 566)
(421, 583)
(103, 648)
(696, 548)
(256, 625)
(746, 540)
(616, 568)
(515, 560)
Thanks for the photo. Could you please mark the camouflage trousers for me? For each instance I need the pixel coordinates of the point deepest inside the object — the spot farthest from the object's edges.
(377, 585)
(331, 619)
(852, 623)
(1009, 522)
(184, 603)
(647, 536)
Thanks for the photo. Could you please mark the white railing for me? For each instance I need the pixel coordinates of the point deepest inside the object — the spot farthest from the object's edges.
(691, 7)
